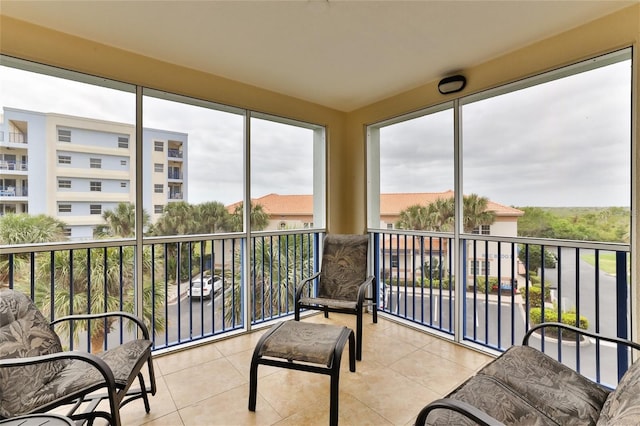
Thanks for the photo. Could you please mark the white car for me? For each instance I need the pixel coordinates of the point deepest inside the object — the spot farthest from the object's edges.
(211, 288)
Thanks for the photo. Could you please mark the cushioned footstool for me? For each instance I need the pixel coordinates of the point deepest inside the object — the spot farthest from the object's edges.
(316, 348)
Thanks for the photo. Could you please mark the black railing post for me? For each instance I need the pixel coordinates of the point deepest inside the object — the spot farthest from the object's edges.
(621, 310)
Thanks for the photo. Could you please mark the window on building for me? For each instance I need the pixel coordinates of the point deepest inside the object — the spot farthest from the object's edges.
(64, 183)
(123, 184)
(64, 208)
(158, 188)
(123, 141)
(66, 232)
(95, 209)
(480, 267)
(123, 162)
(482, 230)
(158, 167)
(95, 163)
(64, 135)
(158, 208)
(95, 186)
(158, 146)
(389, 225)
(394, 260)
(64, 159)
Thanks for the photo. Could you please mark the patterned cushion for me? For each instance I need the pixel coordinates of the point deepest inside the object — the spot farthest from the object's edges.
(24, 332)
(344, 266)
(300, 341)
(493, 398)
(622, 407)
(80, 376)
(554, 389)
(523, 386)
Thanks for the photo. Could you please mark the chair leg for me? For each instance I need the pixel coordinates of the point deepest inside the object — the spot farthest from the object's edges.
(143, 391)
(359, 334)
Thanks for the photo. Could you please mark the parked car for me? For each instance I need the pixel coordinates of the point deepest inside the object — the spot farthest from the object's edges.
(212, 286)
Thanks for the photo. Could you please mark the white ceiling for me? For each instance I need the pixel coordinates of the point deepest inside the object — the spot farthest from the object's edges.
(338, 53)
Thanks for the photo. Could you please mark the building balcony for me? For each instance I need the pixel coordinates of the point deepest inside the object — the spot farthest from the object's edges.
(14, 166)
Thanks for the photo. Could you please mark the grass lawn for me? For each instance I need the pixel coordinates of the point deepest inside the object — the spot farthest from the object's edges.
(607, 261)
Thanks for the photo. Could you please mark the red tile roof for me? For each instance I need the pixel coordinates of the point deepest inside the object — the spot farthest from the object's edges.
(390, 204)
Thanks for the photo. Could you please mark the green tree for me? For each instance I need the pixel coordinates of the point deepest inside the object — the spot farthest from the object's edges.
(121, 222)
(440, 215)
(475, 212)
(258, 217)
(23, 228)
(414, 217)
(278, 265)
(112, 273)
(534, 259)
(535, 222)
(212, 217)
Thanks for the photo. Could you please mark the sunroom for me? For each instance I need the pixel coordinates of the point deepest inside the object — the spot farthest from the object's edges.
(108, 121)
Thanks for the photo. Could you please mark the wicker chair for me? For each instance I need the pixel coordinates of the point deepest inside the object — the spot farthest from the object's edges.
(342, 283)
(36, 375)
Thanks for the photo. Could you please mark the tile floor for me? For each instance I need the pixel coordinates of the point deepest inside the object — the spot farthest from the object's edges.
(401, 370)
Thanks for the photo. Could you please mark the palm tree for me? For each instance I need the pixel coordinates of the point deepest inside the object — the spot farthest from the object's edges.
(259, 218)
(23, 228)
(111, 272)
(278, 265)
(414, 217)
(475, 212)
(121, 222)
(212, 217)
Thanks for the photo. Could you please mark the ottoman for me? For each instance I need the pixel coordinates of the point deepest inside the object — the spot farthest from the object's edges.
(315, 348)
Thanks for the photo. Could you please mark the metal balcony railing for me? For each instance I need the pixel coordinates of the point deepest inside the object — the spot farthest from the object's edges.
(13, 165)
(504, 284)
(174, 153)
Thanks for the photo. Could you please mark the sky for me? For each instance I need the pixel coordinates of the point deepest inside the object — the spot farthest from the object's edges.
(561, 143)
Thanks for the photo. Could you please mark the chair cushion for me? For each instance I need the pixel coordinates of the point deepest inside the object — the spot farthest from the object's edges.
(493, 398)
(300, 341)
(552, 388)
(78, 377)
(622, 407)
(344, 266)
(24, 332)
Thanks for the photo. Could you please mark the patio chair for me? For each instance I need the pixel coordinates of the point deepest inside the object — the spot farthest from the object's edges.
(36, 375)
(342, 283)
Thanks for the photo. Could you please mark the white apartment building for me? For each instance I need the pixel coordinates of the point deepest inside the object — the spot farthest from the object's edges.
(75, 168)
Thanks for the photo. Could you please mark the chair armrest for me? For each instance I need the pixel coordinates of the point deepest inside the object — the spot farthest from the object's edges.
(87, 357)
(303, 284)
(580, 331)
(362, 289)
(461, 407)
(141, 325)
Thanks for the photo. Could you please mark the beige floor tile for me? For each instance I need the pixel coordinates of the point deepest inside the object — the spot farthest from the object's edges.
(202, 381)
(229, 408)
(435, 373)
(456, 353)
(390, 394)
(239, 343)
(172, 419)
(176, 361)
(401, 371)
(351, 412)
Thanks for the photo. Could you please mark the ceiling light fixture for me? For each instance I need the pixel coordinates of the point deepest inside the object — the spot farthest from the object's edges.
(452, 84)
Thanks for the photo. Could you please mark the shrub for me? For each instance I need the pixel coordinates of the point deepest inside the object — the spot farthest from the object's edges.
(551, 315)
